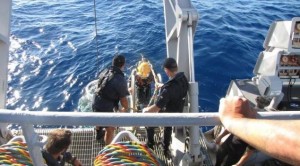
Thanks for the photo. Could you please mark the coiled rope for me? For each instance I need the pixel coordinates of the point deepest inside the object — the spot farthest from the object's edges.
(125, 154)
(15, 154)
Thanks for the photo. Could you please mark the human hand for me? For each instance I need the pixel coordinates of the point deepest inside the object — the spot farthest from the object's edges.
(145, 110)
(77, 163)
(158, 85)
(218, 140)
(130, 90)
(232, 108)
(123, 110)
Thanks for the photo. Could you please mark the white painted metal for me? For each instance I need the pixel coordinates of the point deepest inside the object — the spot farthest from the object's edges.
(125, 134)
(5, 15)
(194, 130)
(279, 41)
(281, 35)
(133, 91)
(191, 48)
(33, 143)
(180, 24)
(126, 119)
(178, 15)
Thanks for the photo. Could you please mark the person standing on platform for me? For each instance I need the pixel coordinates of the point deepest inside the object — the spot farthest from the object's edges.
(171, 99)
(112, 89)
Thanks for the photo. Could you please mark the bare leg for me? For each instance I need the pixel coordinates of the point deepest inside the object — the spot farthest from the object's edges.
(109, 135)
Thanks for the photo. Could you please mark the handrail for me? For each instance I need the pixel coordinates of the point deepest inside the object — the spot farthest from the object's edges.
(28, 118)
(126, 119)
(4, 39)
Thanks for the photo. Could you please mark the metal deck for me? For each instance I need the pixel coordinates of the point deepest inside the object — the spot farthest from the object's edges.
(85, 147)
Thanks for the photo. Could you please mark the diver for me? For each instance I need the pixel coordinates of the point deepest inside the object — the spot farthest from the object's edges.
(143, 80)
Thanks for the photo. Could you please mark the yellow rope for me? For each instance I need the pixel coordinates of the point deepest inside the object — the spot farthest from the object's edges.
(15, 153)
(126, 153)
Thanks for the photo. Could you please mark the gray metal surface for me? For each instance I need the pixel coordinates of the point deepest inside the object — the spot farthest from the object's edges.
(86, 148)
(5, 15)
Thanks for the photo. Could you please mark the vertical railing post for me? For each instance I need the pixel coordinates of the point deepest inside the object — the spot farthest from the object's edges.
(193, 92)
(33, 144)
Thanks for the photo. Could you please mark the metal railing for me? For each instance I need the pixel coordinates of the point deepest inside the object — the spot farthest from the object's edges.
(28, 119)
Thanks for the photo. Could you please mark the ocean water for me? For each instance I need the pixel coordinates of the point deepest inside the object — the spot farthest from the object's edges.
(54, 53)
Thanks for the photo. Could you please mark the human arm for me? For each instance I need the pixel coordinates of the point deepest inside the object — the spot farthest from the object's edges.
(124, 104)
(123, 93)
(161, 102)
(219, 138)
(158, 85)
(76, 162)
(245, 157)
(278, 138)
(71, 159)
(151, 109)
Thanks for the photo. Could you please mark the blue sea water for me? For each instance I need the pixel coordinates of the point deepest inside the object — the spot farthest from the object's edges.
(53, 53)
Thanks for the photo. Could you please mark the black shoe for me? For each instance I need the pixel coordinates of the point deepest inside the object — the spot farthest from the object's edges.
(138, 108)
(100, 134)
(167, 153)
(150, 145)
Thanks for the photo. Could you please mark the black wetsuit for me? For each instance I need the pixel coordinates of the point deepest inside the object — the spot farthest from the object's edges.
(143, 86)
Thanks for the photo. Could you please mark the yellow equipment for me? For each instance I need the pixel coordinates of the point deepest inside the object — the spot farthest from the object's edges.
(144, 69)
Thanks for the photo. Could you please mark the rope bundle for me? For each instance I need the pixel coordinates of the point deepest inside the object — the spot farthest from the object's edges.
(125, 154)
(15, 153)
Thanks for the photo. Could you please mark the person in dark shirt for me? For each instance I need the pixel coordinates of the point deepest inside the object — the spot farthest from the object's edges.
(112, 89)
(233, 151)
(55, 151)
(171, 99)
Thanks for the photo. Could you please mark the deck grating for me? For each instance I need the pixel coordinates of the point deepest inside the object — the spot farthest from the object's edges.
(85, 147)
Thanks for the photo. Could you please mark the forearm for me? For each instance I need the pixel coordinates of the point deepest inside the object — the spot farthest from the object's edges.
(124, 103)
(151, 109)
(276, 138)
(154, 108)
(76, 162)
(219, 138)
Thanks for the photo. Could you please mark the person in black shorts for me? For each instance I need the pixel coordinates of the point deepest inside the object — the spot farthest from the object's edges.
(112, 89)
